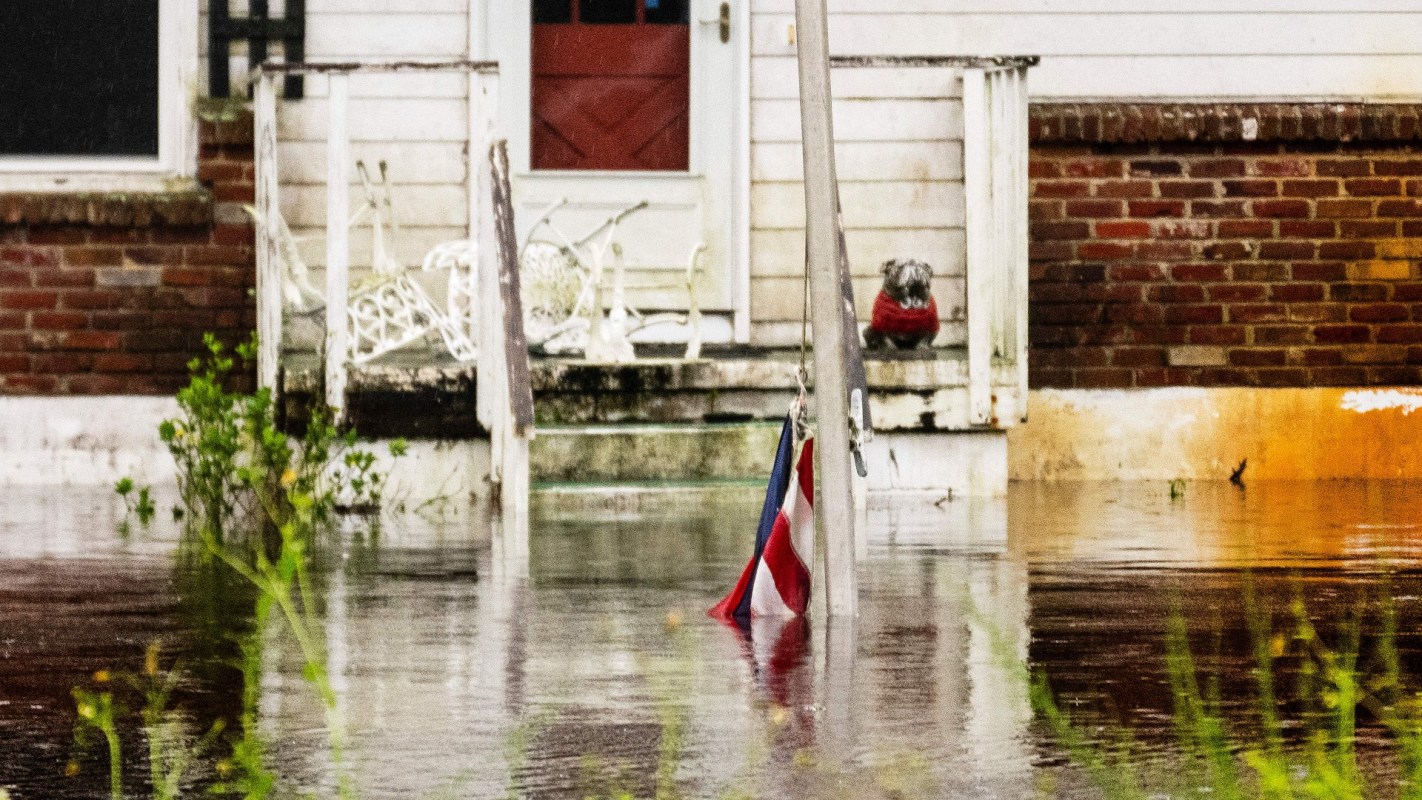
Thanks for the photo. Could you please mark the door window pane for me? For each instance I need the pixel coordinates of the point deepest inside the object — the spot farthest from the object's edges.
(79, 78)
(667, 12)
(609, 12)
(552, 11)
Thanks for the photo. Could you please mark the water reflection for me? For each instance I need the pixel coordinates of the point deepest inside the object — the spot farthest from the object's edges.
(589, 668)
(466, 666)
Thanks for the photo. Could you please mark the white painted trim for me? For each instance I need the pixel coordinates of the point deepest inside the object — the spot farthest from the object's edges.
(514, 52)
(478, 49)
(739, 248)
(178, 64)
(512, 49)
(177, 127)
(1020, 233)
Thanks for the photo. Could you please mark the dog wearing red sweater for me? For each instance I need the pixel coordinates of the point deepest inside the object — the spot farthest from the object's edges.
(904, 311)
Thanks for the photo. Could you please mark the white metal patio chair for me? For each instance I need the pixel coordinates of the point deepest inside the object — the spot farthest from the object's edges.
(387, 309)
(564, 281)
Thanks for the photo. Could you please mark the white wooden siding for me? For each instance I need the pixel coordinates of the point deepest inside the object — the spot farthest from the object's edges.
(1138, 48)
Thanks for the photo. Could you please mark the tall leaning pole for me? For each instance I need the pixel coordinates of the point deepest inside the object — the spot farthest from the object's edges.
(836, 505)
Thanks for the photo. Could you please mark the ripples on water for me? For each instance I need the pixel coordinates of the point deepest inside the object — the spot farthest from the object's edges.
(593, 668)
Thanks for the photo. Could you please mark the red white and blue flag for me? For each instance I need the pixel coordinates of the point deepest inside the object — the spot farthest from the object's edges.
(776, 582)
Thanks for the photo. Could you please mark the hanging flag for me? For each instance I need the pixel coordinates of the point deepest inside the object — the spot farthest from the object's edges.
(776, 582)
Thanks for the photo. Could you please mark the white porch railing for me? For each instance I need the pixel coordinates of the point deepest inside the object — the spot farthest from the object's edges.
(482, 104)
(995, 188)
(995, 181)
(504, 402)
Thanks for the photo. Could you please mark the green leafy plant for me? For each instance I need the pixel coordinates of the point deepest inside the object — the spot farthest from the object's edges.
(255, 503)
(257, 500)
(139, 504)
(98, 714)
(171, 749)
(362, 481)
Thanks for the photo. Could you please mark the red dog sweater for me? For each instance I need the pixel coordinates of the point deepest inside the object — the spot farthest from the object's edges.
(893, 319)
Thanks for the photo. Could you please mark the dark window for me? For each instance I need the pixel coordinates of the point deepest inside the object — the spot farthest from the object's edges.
(667, 12)
(79, 78)
(609, 12)
(552, 11)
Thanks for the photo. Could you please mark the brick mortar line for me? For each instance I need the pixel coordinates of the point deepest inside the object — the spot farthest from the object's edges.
(1138, 123)
(99, 209)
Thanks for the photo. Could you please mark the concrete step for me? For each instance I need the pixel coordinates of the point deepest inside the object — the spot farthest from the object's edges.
(739, 500)
(652, 454)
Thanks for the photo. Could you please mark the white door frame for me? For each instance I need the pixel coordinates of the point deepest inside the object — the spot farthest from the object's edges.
(502, 30)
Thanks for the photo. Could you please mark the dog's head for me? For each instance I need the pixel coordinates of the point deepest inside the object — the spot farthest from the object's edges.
(907, 280)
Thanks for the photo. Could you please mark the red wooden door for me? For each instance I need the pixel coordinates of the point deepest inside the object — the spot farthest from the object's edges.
(611, 85)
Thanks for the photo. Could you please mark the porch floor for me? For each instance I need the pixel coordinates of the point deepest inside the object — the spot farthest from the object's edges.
(426, 393)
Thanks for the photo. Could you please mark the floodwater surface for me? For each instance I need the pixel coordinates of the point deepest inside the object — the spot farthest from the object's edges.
(590, 669)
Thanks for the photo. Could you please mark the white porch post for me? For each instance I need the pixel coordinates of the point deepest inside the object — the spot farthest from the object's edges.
(1021, 158)
(995, 177)
(515, 401)
(977, 174)
(483, 111)
(489, 370)
(269, 294)
(337, 241)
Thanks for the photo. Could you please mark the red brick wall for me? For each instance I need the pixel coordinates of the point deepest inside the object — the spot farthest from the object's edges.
(112, 293)
(1289, 260)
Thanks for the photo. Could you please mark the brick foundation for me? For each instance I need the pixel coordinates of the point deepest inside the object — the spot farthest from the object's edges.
(112, 293)
(1187, 256)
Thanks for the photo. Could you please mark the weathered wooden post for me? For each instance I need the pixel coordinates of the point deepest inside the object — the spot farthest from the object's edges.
(836, 501)
(517, 419)
(338, 250)
(504, 394)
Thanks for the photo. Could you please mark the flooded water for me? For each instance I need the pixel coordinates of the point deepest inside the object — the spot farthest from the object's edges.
(591, 668)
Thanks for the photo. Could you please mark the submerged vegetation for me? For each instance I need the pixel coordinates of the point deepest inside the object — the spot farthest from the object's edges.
(256, 504)
(1294, 745)
(140, 503)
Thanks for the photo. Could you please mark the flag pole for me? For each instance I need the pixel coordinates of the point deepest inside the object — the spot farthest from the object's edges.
(836, 504)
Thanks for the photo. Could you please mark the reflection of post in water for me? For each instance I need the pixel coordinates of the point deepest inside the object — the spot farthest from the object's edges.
(504, 634)
(999, 710)
(509, 545)
(501, 646)
(838, 691)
